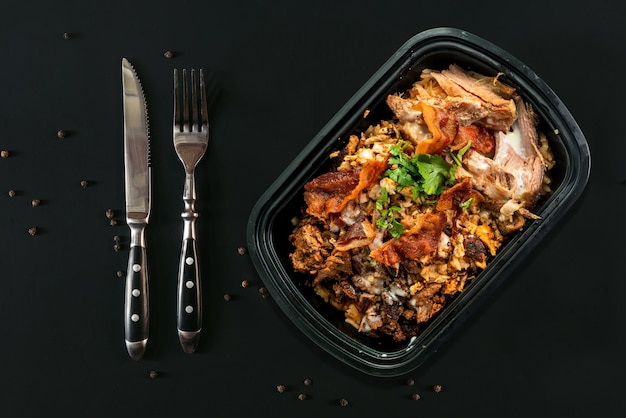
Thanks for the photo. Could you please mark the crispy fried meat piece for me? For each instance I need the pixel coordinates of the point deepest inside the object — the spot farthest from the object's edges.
(331, 192)
(326, 193)
(427, 302)
(496, 109)
(311, 250)
(336, 266)
(359, 234)
(422, 239)
(481, 139)
(458, 194)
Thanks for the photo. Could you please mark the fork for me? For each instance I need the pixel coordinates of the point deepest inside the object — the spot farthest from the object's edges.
(191, 137)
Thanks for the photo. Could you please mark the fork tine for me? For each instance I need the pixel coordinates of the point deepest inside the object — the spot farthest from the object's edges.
(177, 121)
(194, 103)
(186, 121)
(204, 114)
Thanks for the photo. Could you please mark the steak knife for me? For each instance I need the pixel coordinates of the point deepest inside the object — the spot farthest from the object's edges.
(137, 174)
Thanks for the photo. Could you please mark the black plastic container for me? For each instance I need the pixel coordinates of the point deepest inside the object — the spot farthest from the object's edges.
(270, 221)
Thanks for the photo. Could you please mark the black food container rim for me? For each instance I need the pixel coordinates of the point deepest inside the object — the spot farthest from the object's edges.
(564, 134)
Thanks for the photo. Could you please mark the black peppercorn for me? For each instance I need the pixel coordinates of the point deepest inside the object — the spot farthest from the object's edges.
(110, 214)
(154, 374)
(35, 202)
(416, 396)
(343, 402)
(302, 396)
(12, 193)
(241, 250)
(280, 388)
(4, 153)
(437, 388)
(84, 183)
(168, 54)
(32, 231)
(61, 133)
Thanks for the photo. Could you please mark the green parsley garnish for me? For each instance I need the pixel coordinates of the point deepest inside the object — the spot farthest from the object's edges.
(424, 173)
(458, 158)
(387, 219)
(465, 205)
(434, 171)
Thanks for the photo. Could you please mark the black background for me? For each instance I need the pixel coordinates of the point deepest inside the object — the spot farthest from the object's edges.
(549, 343)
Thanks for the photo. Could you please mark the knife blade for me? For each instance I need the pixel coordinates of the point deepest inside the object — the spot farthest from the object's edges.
(137, 176)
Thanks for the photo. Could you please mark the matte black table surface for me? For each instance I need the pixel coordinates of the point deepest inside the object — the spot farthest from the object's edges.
(549, 343)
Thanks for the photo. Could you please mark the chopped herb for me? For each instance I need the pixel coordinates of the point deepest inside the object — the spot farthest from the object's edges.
(434, 171)
(425, 173)
(387, 219)
(458, 157)
(382, 201)
(465, 205)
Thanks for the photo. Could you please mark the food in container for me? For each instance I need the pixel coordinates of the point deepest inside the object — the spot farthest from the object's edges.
(418, 204)
(386, 108)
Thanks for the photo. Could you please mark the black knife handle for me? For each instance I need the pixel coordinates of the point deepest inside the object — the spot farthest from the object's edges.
(136, 303)
(189, 304)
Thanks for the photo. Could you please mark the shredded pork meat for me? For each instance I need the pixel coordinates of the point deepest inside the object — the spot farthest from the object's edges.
(420, 203)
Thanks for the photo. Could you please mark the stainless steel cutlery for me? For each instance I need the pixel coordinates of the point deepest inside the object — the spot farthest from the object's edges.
(190, 137)
(137, 175)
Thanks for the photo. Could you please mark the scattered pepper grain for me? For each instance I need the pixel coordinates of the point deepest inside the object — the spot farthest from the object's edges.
(280, 388)
(343, 402)
(35, 202)
(110, 213)
(84, 183)
(308, 382)
(302, 396)
(113, 222)
(241, 250)
(67, 36)
(245, 284)
(437, 388)
(120, 273)
(12, 193)
(4, 153)
(410, 382)
(154, 374)
(61, 133)
(117, 247)
(227, 297)
(32, 231)
(416, 397)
